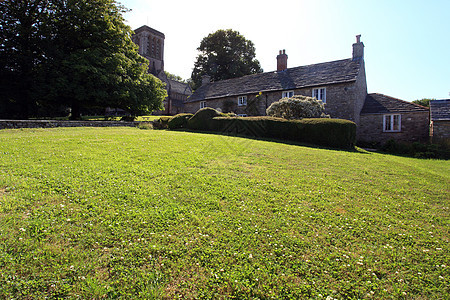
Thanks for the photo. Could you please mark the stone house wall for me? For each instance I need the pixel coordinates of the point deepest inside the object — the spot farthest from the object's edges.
(440, 132)
(414, 128)
(343, 101)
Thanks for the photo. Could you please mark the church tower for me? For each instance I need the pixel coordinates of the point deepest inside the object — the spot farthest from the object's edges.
(151, 46)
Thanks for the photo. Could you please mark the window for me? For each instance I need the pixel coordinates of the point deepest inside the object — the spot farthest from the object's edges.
(242, 100)
(242, 115)
(392, 123)
(287, 94)
(320, 94)
(202, 104)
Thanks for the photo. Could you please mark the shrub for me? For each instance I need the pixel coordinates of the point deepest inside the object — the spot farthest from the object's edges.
(325, 132)
(416, 149)
(145, 125)
(161, 123)
(202, 118)
(128, 118)
(179, 121)
(296, 107)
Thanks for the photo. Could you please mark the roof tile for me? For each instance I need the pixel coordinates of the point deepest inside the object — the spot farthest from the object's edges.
(293, 78)
(380, 104)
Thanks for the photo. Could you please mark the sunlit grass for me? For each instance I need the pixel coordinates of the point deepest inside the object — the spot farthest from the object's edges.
(122, 212)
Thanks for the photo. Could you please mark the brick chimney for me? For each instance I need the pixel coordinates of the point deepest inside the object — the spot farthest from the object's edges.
(358, 49)
(282, 61)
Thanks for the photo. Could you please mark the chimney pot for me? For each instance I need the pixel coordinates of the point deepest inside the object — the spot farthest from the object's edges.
(358, 49)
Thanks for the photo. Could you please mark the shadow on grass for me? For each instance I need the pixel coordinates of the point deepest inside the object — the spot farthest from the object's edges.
(280, 141)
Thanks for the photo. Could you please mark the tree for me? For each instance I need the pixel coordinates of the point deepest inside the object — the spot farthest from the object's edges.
(424, 102)
(88, 60)
(22, 43)
(297, 107)
(225, 54)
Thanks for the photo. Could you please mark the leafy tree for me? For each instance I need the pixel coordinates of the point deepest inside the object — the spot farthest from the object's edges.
(22, 43)
(87, 60)
(225, 54)
(174, 77)
(424, 102)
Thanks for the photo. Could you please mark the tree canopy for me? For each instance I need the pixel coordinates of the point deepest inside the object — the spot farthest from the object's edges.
(424, 102)
(72, 53)
(225, 54)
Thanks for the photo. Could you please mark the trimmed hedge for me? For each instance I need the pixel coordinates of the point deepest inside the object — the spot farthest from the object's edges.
(179, 121)
(336, 133)
(201, 119)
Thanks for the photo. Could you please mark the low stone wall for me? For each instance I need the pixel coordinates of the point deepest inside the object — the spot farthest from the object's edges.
(14, 124)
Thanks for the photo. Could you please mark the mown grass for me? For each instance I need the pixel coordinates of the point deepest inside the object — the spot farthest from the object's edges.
(125, 213)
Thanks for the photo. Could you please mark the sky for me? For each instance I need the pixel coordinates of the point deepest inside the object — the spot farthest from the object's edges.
(407, 42)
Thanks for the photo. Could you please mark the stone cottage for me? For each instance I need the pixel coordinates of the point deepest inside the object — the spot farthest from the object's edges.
(384, 118)
(440, 121)
(151, 46)
(341, 85)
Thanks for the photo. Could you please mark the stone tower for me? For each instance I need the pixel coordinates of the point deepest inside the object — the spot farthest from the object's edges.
(151, 46)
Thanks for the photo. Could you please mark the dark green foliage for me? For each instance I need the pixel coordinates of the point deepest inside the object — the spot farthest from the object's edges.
(162, 122)
(179, 121)
(128, 118)
(416, 149)
(79, 54)
(202, 119)
(225, 54)
(325, 132)
(424, 102)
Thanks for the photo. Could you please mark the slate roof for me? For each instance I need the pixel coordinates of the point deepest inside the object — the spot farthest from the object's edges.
(339, 71)
(381, 104)
(440, 110)
(179, 87)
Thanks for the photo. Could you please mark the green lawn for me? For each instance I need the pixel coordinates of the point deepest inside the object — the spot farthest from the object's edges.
(126, 213)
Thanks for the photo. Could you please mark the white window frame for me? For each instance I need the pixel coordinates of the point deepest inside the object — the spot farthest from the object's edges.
(202, 104)
(242, 100)
(242, 115)
(287, 94)
(320, 94)
(389, 123)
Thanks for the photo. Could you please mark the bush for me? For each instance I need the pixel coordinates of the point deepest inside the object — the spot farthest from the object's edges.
(128, 118)
(201, 119)
(297, 107)
(179, 121)
(325, 132)
(145, 125)
(161, 123)
(416, 149)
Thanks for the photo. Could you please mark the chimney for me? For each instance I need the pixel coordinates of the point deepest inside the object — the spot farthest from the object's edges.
(282, 61)
(206, 79)
(358, 49)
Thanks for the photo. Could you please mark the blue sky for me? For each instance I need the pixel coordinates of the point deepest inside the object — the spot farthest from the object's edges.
(407, 42)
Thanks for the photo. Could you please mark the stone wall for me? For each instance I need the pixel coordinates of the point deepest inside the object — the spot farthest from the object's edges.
(414, 128)
(440, 131)
(12, 124)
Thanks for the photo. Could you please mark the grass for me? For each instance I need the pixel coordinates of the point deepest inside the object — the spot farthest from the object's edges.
(125, 213)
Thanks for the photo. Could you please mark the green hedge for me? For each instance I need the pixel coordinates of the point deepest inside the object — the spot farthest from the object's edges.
(319, 131)
(179, 121)
(201, 119)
